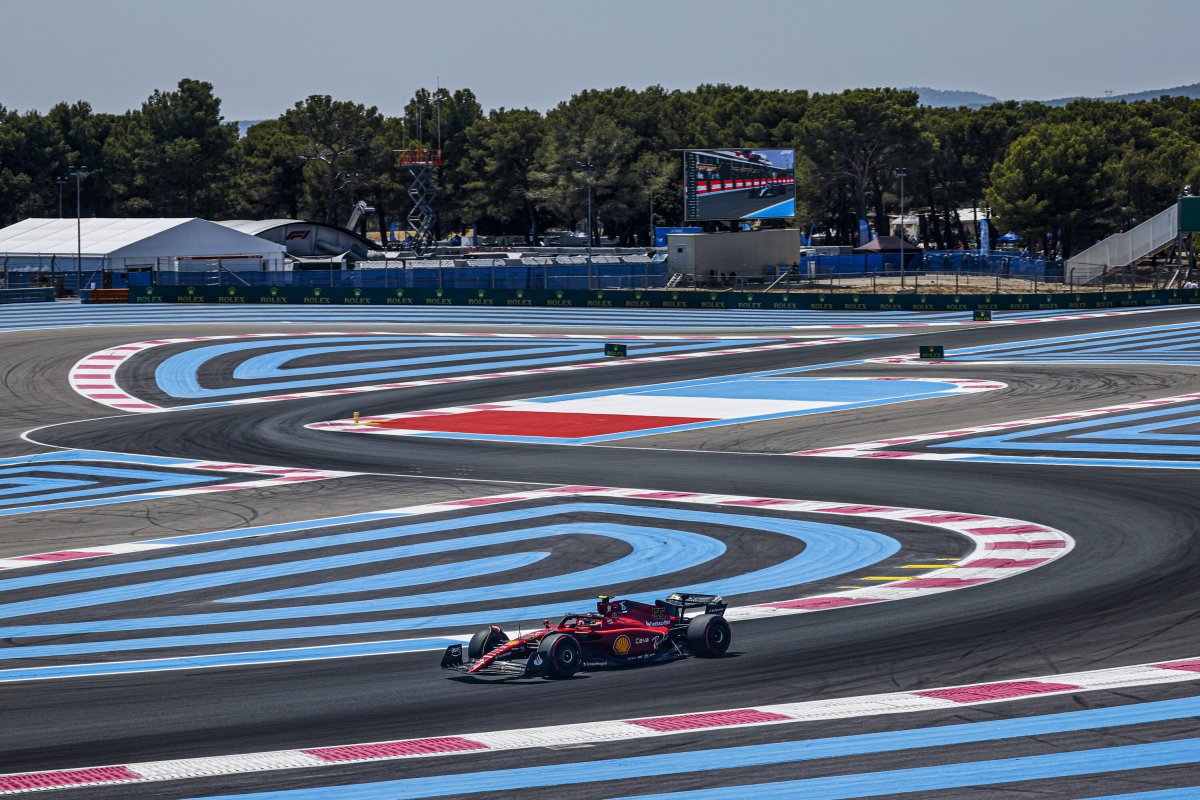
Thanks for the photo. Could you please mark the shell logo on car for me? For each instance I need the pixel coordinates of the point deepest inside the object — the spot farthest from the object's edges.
(621, 645)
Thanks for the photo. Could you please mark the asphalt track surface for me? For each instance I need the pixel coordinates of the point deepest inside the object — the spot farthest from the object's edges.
(1126, 594)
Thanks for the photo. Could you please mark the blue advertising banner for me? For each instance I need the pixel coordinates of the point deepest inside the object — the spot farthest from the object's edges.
(985, 236)
(660, 234)
(864, 232)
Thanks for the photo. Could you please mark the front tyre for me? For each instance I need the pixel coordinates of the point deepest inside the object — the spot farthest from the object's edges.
(708, 636)
(485, 640)
(561, 654)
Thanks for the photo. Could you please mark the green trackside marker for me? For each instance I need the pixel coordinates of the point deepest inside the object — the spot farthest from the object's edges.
(983, 315)
(614, 350)
(932, 351)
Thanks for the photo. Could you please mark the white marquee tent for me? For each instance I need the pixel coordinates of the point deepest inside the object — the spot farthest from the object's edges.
(133, 245)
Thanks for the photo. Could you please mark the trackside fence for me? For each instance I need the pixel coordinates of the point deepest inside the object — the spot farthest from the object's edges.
(1003, 265)
(556, 277)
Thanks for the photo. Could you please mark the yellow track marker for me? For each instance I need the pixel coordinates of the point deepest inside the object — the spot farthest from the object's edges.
(887, 579)
(930, 566)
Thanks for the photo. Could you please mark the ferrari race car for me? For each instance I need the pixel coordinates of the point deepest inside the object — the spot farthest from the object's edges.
(617, 633)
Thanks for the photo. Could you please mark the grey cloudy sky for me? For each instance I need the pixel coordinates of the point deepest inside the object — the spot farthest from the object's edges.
(264, 55)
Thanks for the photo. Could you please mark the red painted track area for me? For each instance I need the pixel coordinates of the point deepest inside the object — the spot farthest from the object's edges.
(537, 423)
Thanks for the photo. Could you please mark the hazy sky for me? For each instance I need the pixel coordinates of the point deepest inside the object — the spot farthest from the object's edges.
(264, 55)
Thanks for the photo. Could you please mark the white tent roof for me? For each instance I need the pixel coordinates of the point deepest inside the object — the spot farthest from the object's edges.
(257, 226)
(972, 214)
(124, 238)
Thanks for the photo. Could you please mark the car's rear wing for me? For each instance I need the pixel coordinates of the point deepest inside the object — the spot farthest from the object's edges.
(680, 603)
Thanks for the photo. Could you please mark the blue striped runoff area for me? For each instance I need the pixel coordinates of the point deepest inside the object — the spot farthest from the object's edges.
(828, 550)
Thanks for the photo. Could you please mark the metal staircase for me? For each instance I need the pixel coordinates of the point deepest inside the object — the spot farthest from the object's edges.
(1122, 249)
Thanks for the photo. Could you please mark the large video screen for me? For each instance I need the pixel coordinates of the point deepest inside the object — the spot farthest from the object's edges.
(739, 184)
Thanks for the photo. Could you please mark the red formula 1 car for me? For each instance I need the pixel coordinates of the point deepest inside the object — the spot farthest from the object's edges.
(617, 633)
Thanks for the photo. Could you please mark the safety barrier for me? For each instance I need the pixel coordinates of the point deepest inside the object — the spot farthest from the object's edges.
(36, 295)
(325, 296)
(104, 296)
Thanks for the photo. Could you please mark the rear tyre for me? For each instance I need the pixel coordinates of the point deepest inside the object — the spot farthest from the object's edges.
(484, 640)
(561, 654)
(708, 636)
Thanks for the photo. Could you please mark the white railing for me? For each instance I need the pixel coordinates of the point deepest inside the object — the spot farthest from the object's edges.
(1122, 249)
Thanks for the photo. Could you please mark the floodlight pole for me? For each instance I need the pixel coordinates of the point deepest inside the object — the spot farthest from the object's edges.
(78, 173)
(901, 171)
(650, 176)
(589, 169)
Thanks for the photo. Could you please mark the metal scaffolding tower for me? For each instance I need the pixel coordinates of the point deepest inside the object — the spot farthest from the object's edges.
(421, 219)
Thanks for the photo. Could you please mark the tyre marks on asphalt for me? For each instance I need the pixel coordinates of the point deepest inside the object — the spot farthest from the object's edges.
(77, 479)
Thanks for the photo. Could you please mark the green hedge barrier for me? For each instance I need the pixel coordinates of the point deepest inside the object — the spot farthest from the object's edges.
(608, 298)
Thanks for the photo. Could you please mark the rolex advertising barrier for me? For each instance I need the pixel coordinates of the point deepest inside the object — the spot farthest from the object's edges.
(615, 298)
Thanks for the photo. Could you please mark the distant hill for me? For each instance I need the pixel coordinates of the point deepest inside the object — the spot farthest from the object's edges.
(1191, 90)
(954, 99)
(951, 98)
(244, 125)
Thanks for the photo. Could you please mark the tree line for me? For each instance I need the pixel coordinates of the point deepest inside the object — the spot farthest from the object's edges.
(1059, 176)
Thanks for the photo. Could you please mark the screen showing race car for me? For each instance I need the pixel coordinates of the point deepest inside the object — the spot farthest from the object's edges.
(739, 184)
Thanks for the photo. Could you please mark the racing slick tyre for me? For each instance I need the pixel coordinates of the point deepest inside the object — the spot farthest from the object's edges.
(484, 640)
(562, 655)
(708, 636)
